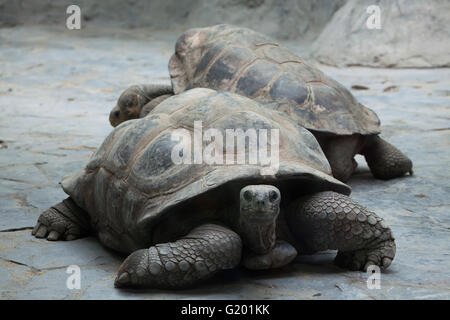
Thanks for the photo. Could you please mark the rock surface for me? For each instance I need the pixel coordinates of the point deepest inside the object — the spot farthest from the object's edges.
(287, 19)
(414, 33)
(56, 90)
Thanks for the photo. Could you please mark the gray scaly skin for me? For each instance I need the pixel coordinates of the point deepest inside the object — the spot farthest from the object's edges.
(384, 160)
(195, 257)
(324, 220)
(329, 220)
(64, 220)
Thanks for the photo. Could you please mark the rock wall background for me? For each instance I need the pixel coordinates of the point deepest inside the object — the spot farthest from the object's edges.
(414, 33)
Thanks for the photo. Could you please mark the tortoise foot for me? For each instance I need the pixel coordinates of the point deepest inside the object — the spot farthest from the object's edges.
(206, 250)
(386, 161)
(328, 220)
(381, 256)
(63, 221)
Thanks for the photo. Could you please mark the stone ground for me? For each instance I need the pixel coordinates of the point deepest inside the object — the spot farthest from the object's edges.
(56, 90)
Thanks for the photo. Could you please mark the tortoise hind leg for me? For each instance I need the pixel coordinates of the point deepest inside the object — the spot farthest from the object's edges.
(206, 250)
(65, 220)
(329, 220)
(384, 160)
(340, 151)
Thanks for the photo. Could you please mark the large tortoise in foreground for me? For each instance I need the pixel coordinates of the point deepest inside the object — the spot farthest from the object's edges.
(243, 61)
(181, 222)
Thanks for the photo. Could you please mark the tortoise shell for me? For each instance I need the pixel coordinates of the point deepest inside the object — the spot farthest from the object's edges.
(243, 61)
(131, 183)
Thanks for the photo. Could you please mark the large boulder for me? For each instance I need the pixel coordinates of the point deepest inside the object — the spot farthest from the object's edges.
(414, 33)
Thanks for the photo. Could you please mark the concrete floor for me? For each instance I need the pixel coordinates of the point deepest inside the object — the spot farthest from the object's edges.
(56, 90)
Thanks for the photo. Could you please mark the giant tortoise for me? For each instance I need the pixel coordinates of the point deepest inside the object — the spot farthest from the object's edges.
(243, 61)
(182, 221)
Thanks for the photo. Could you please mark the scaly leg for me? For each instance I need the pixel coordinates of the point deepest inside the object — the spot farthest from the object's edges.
(384, 160)
(191, 259)
(340, 152)
(329, 220)
(64, 220)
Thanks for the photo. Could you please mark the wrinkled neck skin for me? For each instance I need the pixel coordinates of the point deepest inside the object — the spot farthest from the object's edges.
(258, 234)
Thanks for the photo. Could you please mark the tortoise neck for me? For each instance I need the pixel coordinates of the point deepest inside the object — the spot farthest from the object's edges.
(259, 236)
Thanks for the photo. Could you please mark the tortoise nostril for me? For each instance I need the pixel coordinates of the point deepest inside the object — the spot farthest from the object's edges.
(117, 113)
(259, 202)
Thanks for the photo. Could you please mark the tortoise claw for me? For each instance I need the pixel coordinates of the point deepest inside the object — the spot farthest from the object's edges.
(122, 280)
(61, 221)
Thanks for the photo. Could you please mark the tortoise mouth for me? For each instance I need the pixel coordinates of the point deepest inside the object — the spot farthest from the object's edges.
(258, 214)
(114, 117)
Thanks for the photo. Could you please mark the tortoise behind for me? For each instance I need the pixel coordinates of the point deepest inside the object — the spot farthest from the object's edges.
(183, 222)
(243, 61)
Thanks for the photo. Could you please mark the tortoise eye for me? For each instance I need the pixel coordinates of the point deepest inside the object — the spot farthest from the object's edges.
(273, 196)
(247, 195)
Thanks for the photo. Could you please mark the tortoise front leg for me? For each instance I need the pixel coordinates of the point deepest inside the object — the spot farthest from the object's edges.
(206, 250)
(384, 160)
(329, 220)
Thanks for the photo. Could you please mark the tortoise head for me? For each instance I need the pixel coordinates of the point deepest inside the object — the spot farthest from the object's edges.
(259, 209)
(128, 105)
